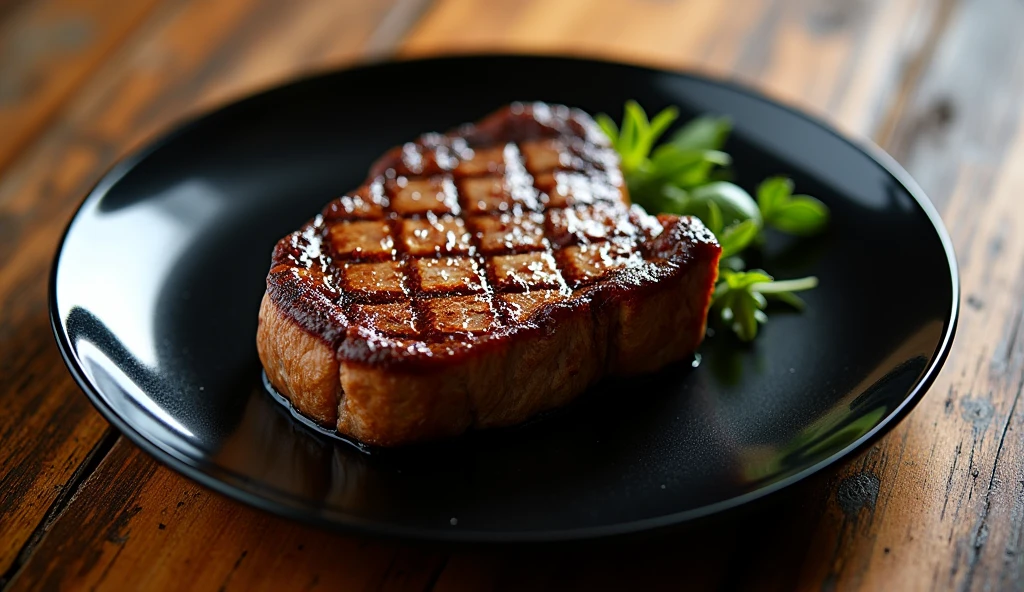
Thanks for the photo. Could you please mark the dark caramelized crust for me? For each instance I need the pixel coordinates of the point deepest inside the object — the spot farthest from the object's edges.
(478, 278)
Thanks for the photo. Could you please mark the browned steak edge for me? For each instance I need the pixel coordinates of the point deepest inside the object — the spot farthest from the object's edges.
(566, 351)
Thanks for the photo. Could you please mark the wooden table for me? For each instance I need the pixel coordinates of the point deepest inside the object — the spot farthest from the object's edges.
(936, 504)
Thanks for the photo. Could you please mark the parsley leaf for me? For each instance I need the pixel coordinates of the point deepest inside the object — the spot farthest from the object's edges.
(794, 214)
(735, 203)
(635, 139)
(737, 237)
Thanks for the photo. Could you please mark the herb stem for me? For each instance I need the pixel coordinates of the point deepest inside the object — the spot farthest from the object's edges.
(777, 286)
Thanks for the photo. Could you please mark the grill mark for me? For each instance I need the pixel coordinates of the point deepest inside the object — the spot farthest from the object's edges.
(584, 158)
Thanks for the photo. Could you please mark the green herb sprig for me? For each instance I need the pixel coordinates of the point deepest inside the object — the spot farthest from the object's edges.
(688, 175)
(742, 296)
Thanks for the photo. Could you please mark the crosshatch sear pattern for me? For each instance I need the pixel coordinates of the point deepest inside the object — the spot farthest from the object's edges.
(479, 278)
(473, 233)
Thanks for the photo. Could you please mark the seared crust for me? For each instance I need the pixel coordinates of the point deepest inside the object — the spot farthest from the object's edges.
(299, 365)
(396, 315)
(388, 406)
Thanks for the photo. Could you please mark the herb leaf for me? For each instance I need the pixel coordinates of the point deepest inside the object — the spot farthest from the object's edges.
(607, 125)
(659, 124)
(801, 215)
(714, 221)
(737, 237)
(746, 279)
(685, 168)
(703, 133)
(772, 192)
(735, 203)
(740, 298)
(634, 140)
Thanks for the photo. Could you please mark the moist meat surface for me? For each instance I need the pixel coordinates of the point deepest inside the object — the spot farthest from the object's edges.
(478, 278)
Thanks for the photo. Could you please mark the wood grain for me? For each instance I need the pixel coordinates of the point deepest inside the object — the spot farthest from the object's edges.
(140, 525)
(189, 54)
(950, 498)
(718, 41)
(47, 50)
(833, 58)
(937, 504)
(150, 528)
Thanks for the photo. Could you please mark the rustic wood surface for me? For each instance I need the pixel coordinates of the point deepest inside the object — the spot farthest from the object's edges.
(936, 504)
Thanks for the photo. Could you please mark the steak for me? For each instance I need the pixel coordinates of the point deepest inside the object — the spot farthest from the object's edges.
(478, 278)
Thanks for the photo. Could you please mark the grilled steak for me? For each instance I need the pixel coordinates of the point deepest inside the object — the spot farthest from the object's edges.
(479, 278)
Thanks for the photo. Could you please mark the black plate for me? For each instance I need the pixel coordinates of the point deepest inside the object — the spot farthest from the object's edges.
(157, 283)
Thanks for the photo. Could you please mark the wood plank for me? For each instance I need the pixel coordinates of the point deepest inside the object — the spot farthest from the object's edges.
(936, 504)
(950, 509)
(188, 55)
(152, 529)
(7, 7)
(140, 525)
(687, 33)
(827, 57)
(48, 49)
(48, 428)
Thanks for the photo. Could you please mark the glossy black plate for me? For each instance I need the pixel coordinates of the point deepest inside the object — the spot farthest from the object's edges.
(157, 284)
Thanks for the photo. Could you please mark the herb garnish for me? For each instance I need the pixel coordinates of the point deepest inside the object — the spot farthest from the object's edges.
(688, 175)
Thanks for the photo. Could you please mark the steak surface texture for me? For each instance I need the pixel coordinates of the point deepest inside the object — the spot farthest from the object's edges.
(478, 278)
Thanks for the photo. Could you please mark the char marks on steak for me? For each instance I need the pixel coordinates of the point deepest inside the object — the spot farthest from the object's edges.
(478, 278)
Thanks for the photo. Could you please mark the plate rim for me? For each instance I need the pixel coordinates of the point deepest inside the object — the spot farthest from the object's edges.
(226, 483)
